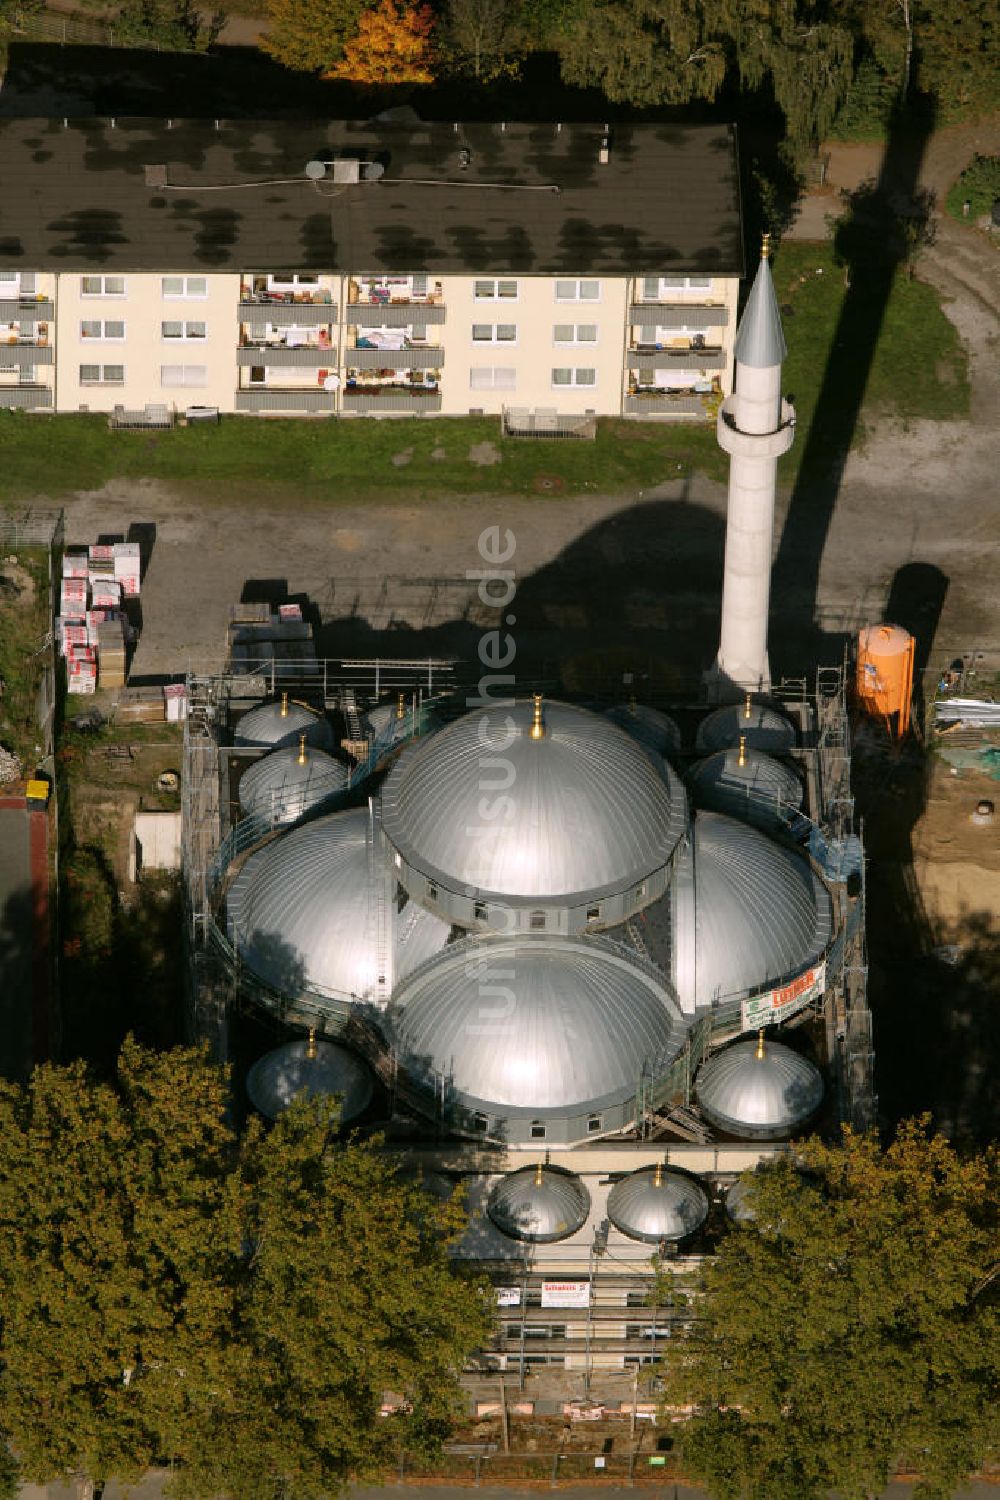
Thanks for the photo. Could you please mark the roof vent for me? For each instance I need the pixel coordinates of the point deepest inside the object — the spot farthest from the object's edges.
(156, 177)
(347, 170)
(604, 154)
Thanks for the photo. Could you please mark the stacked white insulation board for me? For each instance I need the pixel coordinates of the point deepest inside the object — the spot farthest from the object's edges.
(93, 627)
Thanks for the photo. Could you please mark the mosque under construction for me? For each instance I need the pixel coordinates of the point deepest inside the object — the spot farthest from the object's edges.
(593, 960)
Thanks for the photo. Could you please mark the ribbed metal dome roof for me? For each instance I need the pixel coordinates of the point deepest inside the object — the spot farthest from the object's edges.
(750, 785)
(737, 1206)
(537, 1024)
(759, 1090)
(764, 728)
(281, 723)
(590, 812)
(311, 1068)
(539, 1204)
(657, 1203)
(650, 726)
(287, 783)
(386, 724)
(302, 910)
(745, 912)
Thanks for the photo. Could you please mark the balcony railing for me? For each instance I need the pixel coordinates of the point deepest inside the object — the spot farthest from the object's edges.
(659, 404)
(281, 356)
(643, 357)
(393, 314)
(258, 313)
(25, 397)
(24, 354)
(289, 400)
(392, 398)
(423, 358)
(24, 309)
(676, 315)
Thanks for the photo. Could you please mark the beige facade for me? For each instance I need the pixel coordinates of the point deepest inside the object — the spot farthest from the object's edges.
(332, 344)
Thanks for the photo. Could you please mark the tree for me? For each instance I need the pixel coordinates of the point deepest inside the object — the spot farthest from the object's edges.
(309, 35)
(484, 39)
(850, 1326)
(348, 1293)
(115, 1238)
(392, 45)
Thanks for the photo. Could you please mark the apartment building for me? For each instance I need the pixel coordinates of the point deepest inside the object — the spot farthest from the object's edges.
(368, 268)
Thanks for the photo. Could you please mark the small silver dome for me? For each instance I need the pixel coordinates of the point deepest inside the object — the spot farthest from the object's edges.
(302, 914)
(312, 1068)
(280, 723)
(544, 1026)
(748, 784)
(573, 812)
(650, 726)
(284, 785)
(737, 1206)
(745, 912)
(763, 728)
(657, 1203)
(539, 1204)
(387, 726)
(758, 1090)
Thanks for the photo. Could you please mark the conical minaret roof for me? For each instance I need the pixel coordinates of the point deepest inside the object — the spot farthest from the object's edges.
(760, 342)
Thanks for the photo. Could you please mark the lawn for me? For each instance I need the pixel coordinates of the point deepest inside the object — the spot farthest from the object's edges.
(919, 370)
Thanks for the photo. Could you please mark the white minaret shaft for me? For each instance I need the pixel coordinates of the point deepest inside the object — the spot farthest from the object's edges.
(755, 428)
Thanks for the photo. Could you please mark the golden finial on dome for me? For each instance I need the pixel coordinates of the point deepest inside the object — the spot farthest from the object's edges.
(401, 706)
(658, 1175)
(311, 1044)
(743, 750)
(302, 750)
(760, 1045)
(537, 730)
(765, 246)
(284, 705)
(538, 1175)
(748, 705)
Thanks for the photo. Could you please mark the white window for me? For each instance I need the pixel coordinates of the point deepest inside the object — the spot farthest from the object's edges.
(290, 279)
(574, 377)
(184, 286)
(655, 288)
(492, 378)
(102, 286)
(495, 291)
(578, 291)
(183, 330)
(112, 329)
(494, 333)
(190, 375)
(574, 333)
(102, 374)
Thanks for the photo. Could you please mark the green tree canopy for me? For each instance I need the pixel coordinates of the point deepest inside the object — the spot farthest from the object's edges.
(310, 34)
(850, 1326)
(348, 1294)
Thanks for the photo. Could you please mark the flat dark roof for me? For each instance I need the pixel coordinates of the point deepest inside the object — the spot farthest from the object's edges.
(79, 196)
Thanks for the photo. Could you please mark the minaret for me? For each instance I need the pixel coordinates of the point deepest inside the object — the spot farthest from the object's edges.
(755, 428)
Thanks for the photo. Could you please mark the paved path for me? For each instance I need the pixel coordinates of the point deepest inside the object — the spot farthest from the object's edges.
(152, 1488)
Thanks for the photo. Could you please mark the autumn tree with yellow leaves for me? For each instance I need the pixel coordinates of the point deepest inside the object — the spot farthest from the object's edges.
(392, 45)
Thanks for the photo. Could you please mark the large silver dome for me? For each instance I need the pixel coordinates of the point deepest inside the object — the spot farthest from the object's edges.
(750, 785)
(758, 1090)
(745, 912)
(650, 726)
(562, 815)
(280, 723)
(657, 1203)
(763, 728)
(283, 786)
(539, 1204)
(560, 1029)
(312, 1068)
(304, 910)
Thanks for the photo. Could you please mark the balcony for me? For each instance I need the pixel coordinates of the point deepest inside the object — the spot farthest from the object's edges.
(24, 354)
(26, 309)
(679, 315)
(392, 398)
(665, 404)
(648, 357)
(393, 314)
(282, 310)
(414, 357)
(25, 397)
(290, 400)
(285, 356)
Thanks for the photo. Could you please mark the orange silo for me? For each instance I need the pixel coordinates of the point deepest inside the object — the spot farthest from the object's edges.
(884, 680)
